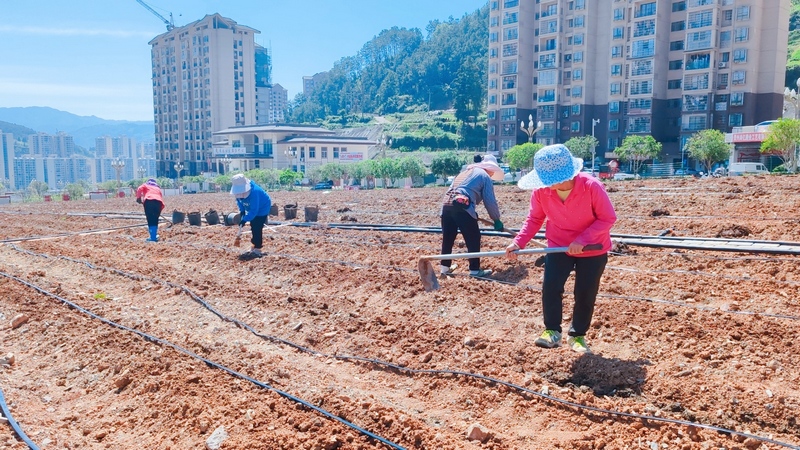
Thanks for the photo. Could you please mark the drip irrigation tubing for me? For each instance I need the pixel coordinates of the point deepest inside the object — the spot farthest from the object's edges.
(208, 362)
(14, 425)
(381, 363)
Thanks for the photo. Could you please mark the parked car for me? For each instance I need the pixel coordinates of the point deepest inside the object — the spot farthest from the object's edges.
(323, 185)
(625, 176)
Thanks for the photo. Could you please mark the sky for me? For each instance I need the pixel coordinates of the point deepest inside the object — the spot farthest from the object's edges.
(92, 58)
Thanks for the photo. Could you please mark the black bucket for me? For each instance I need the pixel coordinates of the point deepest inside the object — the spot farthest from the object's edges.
(273, 210)
(311, 213)
(212, 218)
(195, 219)
(290, 211)
(178, 217)
(233, 219)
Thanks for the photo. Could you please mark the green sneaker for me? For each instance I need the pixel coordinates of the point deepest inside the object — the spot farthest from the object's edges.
(549, 339)
(578, 343)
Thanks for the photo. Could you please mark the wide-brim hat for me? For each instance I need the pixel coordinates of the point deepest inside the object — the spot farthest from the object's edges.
(552, 164)
(239, 184)
(489, 164)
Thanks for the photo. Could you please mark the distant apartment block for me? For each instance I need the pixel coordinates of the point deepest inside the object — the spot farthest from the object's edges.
(203, 80)
(115, 147)
(666, 68)
(271, 104)
(310, 82)
(8, 154)
(43, 144)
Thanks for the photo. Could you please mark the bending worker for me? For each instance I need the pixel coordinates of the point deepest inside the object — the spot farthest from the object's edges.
(469, 189)
(149, 195)
(254, 204)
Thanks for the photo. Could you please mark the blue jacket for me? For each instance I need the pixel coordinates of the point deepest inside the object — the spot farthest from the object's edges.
(254, 205)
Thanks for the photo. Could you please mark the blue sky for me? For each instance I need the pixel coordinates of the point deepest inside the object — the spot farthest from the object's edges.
(91, 57)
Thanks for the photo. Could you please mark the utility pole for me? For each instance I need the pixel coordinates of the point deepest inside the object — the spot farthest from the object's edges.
(594, 142)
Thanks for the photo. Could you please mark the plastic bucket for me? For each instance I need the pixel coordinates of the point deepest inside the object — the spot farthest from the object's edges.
(212, 218)
(232, 219)
(311, 213)
(195, 219)
(290, 212)
(178, 217)
(273, 210)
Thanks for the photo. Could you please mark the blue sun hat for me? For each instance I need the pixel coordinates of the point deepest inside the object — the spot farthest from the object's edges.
(551, 165)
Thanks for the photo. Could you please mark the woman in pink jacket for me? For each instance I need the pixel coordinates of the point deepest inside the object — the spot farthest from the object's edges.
(578, 213)
(149, 195)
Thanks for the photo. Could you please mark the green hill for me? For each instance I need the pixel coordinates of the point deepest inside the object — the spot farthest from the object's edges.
(20, 132)
(793, 54)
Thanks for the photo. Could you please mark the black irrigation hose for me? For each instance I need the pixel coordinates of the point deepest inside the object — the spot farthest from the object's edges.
(14, 425)
(208, 362)
(399, 368)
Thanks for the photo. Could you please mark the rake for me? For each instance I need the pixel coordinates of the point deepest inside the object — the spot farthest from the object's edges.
(431, 283)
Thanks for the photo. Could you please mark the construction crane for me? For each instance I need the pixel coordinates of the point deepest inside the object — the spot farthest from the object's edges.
(170, 23)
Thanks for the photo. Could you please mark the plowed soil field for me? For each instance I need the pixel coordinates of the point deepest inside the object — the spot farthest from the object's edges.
(329, 341)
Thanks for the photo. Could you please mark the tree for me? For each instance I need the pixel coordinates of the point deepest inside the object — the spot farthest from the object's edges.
(75, 191)
(638, 149)
(469, 91)
(708, 147)
(412, 166)
(289, 177)
(521, 156)
(782, 140)
(581, 147)
(446, 164)
(37, 189)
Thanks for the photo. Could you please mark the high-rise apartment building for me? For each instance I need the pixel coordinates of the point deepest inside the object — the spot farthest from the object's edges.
(613, 68)
(271, 104)
(43, 144)
(8, 155)
(203, 81)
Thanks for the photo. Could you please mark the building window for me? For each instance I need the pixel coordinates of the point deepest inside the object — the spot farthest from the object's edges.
(618, 33)
(509, 129)
(676, 45)
(641, 87)
(578, 39)
(577, 91)
(576, 110)
(548, 77)
(576, 127)
(492, 99)
(323, 152)
(493, 83)
(645, 9)
(674, 84)
(616, 70)
(616, 88)
(510, 66)
(644, 28)
(613, 125)
(678, 26)
(740, 55)
(509, 18)
(679, 6)
(510, 49)
(577, 74)
(742, 12)
(722, 81)
(510, 82)
(335, 152)
(509, 34)
(741, 34)
(312, 152)
(577, 56)
(737, 98)
(701, 19)
(619, 14)
(738, 77)
(642, 67)
(676, 64)
(695, 82)
(613, 107)
(735, 120)
(509, 99)
(510, 3)
(507, 114)
(616, 51)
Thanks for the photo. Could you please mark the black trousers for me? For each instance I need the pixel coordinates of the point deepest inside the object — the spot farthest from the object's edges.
(257, 227)
(152, 210)
(588, 272)
(455, 219)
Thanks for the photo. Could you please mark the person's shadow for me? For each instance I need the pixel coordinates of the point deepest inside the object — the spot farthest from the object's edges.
(609, 376)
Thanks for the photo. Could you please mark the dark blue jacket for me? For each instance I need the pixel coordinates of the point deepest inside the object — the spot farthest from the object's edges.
(254, 205)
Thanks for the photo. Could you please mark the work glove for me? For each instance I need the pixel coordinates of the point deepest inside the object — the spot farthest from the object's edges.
(139, 200)
(498, 225)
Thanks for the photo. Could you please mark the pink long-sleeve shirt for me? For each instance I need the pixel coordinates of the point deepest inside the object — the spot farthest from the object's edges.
(585, 217)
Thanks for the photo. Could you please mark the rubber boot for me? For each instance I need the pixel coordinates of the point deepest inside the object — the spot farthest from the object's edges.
(153, 233)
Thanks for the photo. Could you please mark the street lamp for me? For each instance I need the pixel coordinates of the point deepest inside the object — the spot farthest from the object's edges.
(142, 171)
(227, 162)
(792, 97)
(291, 152)
(594, 142)
(530, 130)
(118, 165)
(178, 169)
